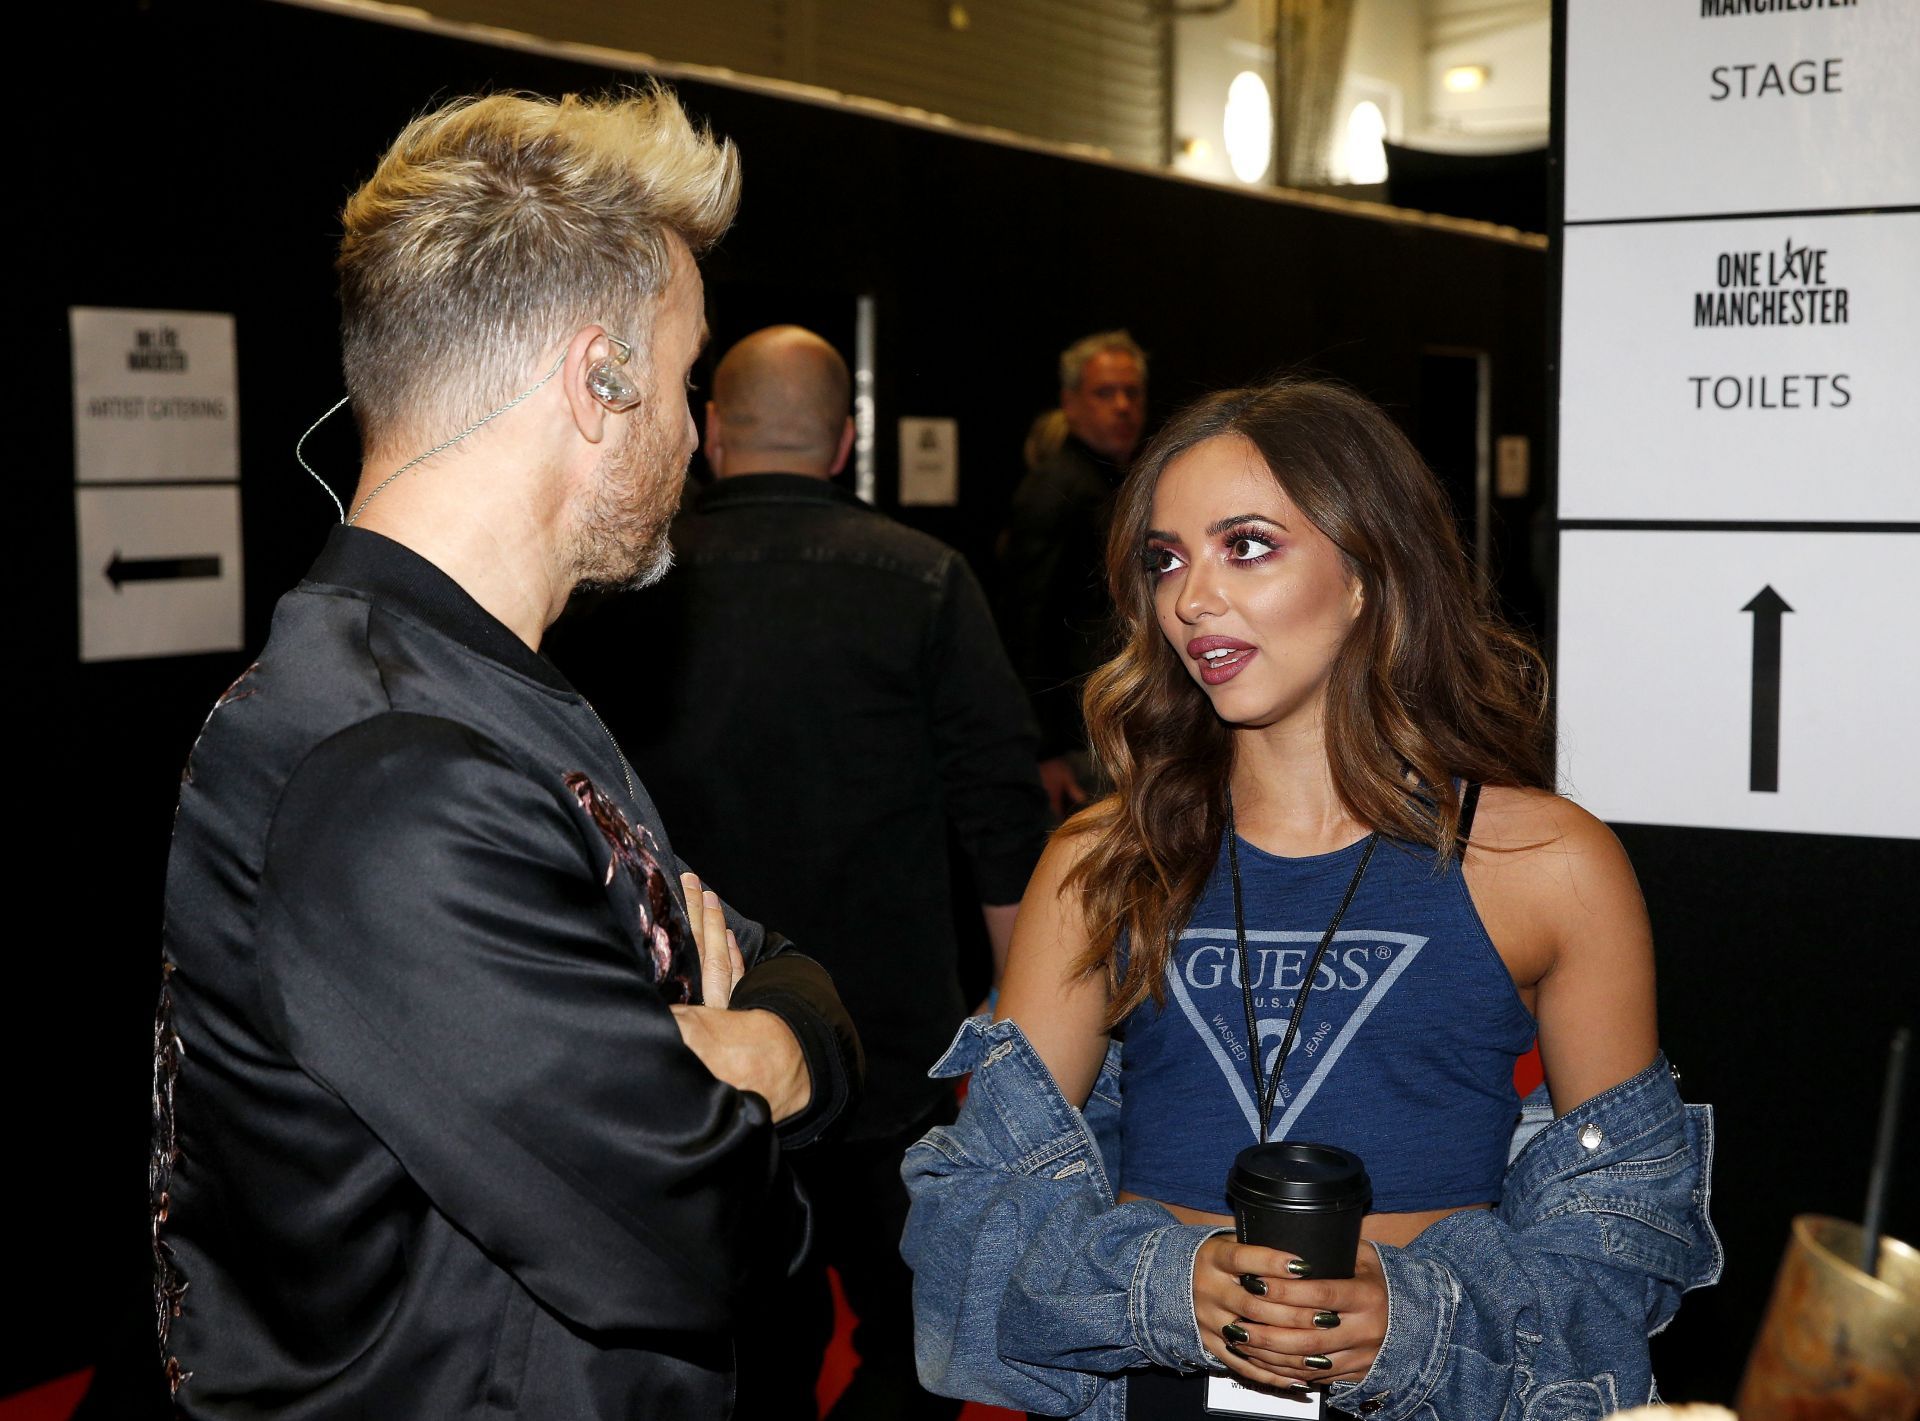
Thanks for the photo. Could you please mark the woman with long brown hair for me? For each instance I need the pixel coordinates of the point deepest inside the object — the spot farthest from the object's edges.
(1332, 898)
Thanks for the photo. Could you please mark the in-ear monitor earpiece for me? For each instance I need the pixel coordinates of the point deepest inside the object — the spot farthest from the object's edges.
(609, 381)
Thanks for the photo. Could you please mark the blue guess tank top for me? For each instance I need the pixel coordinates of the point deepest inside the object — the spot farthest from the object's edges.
(1405, 1051)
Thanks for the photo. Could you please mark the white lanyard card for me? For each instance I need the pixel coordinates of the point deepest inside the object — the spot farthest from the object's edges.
(1229, 1396)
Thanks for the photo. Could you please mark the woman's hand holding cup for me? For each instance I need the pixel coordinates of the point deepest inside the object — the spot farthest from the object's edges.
(1264, 1322)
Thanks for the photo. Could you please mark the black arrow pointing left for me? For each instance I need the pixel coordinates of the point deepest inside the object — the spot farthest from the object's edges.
(121, 570)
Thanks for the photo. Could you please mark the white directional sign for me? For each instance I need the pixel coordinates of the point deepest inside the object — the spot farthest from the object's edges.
(153, 396)
(159, 571)
(1676, 107)
(156, 467)
(1739, 453)
(1761, 369)
(1743, 680)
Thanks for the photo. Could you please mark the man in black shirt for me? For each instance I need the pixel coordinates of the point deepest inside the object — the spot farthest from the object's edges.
(1054, 606)
(816, 694)
(460, 1107)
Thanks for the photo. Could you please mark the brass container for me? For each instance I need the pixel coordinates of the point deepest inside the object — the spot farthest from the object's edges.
(1837, 1344)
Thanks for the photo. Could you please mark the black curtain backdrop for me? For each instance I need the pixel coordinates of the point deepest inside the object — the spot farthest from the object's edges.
(195, 155)
(1507, 188)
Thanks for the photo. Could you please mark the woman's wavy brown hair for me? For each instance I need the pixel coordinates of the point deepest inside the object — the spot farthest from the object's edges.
(1430, 683)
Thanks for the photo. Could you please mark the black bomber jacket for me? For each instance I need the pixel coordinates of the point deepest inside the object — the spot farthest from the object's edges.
(427, 1140)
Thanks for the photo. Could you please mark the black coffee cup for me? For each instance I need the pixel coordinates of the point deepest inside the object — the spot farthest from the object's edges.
(1304, 1199)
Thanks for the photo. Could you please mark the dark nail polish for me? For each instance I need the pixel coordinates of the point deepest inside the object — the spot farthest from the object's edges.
(1299, 1267)
(1318, 1363)
(1326, 1320)
(1254, 1284)
(1234, 1333)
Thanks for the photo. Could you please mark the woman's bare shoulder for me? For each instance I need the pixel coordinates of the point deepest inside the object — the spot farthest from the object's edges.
(1546, 832)
(1549, 873)
(1558, 876)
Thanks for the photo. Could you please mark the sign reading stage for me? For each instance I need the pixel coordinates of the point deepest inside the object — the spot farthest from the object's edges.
(1677, 107)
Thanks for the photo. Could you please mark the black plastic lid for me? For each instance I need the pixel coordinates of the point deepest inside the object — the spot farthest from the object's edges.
(1295, 1175)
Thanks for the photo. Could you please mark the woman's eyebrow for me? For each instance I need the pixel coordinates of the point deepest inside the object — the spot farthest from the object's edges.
(1156, 535)
(1222, 524)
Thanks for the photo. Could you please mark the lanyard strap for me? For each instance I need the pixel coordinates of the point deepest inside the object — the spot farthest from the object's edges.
(1265, 1087)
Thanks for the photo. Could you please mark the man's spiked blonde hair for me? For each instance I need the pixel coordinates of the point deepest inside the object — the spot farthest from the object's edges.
(496, 226)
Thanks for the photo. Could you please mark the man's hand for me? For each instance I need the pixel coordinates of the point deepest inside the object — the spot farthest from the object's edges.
(749, 1050)
(720, 962)
(1063, 789)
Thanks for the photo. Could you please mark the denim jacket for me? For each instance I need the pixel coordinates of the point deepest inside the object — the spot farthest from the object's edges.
(1032, 1290)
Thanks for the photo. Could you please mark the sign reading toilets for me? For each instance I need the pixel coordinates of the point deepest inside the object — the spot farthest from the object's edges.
(1739, 439)
(1757, 369)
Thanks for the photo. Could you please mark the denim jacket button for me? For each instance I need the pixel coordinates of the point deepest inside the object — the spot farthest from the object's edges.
(1367, 1408)
(1590, 1137)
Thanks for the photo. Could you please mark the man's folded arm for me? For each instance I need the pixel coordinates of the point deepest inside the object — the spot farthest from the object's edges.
(435, 948)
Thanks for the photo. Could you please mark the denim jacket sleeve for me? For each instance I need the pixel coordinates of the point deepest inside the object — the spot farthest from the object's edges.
(1542, 1308)
(1030, 1288)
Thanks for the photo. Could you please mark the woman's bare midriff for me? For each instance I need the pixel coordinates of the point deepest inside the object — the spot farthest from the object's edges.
(1396, 1229)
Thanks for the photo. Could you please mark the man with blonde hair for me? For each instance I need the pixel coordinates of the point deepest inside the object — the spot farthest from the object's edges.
(466, 1098)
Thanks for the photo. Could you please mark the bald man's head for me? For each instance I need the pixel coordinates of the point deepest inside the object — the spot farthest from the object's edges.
(780, 400)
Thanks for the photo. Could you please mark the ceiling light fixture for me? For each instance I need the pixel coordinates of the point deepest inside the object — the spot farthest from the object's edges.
(1249, 126)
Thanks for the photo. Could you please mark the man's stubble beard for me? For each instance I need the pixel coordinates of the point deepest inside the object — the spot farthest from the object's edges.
(620, 539)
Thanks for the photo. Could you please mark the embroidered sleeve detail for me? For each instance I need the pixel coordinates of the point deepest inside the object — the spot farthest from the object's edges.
(227, 697)
(169, 1287)
(634, 873)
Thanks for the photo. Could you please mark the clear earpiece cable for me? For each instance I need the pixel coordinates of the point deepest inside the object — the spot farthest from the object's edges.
(301, 443)
(440, 448)
(445, 445)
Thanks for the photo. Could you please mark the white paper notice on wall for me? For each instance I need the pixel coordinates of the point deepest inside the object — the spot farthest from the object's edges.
(929, 462)
(1761, 369)
(1676, 107)
(154, 397)
(160, 571)
(1511, 462)
(1741, 680)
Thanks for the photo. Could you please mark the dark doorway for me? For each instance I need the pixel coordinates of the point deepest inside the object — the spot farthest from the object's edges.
(1452, 431)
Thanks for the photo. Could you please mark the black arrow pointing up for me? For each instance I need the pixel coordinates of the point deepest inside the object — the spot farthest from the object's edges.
(123, 570)
(1767, 607)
